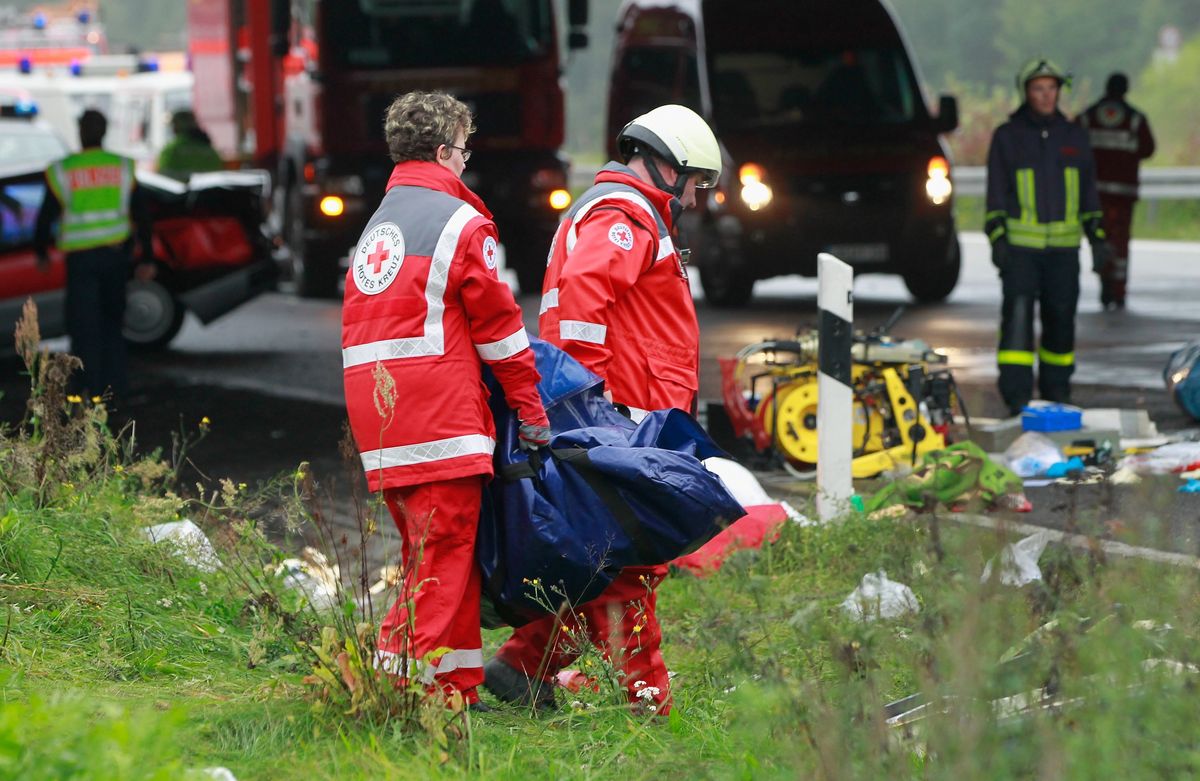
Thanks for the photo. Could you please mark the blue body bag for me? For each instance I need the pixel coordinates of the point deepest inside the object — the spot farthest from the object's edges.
(606, 494)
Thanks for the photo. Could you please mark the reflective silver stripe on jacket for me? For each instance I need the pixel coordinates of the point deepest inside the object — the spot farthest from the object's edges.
(549, 301)
(1115, 140)
(504, 348)
(1117, 188)
(581, 331)
(665, 246)
(432, 341)
(424, 452)
(74, 218)
(462, 658)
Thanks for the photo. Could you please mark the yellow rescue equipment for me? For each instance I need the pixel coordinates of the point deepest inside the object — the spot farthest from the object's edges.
(905, 400)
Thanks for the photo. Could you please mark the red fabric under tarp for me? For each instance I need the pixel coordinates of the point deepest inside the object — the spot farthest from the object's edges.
(760, 525)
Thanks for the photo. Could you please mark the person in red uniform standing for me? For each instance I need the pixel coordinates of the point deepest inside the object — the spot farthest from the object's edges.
(1121, 140)
(616, 298)
(424, 310)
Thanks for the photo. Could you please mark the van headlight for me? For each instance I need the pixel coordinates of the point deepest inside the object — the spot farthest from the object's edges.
(937, 183)
(756, 193)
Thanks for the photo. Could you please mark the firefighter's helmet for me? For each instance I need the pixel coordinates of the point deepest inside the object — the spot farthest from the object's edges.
(680, 137)
(1039, 67)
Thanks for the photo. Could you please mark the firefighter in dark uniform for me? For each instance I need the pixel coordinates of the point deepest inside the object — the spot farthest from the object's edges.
(1121, 140)
(1041, 196)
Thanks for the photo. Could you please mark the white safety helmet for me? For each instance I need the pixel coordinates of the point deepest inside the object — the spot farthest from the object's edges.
(1040, 67)
(679, 136)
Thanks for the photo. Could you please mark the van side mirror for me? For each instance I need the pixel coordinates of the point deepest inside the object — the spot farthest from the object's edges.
(947, 118)
(577, 39)
(281, 27)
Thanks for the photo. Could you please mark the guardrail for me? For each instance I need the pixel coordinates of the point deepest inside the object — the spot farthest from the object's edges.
(1156, 184)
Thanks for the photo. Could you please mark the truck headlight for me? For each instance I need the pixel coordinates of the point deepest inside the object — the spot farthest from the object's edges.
(756, 193)
(937, 185)
(559, 199)
(332, 206)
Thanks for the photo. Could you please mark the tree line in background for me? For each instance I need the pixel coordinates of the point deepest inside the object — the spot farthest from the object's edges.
(973, 48)
(968, 48)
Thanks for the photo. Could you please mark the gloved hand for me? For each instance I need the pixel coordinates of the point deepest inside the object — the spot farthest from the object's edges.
(1000, 253)
(1102, 254)
(531, 436)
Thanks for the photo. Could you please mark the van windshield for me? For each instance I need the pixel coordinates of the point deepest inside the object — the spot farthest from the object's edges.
(869, 86)
(375, 34)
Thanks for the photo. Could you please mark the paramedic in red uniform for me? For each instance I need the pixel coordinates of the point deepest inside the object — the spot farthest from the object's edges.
(616, 298)
(424, 310)
(1121, 140)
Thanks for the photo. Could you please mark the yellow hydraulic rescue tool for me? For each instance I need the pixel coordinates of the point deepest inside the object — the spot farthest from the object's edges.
(904, 400)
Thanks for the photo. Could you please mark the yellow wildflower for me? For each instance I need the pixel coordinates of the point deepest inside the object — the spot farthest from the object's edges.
(118, 469)
(74, 399)
(95, 399)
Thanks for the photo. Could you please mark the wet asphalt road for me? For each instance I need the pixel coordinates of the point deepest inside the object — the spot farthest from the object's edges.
(269, 377)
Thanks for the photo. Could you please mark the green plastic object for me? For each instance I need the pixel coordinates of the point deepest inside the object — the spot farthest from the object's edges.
(958, 471)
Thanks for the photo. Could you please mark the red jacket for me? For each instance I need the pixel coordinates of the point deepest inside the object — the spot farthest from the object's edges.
(423, 311)
(616, 296)
(1121, 139)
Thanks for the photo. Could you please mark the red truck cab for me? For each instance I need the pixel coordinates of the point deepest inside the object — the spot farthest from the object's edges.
(829, 145)
(340, 64)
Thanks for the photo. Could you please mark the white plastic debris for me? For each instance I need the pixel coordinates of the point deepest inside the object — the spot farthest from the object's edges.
(744, 486)
(740, 481)
(1168, 458)
(879, 597)
(1019, 561)
(219, 773)
(312, 576)
(190, 543)
(1124, 476)
(1032, 454)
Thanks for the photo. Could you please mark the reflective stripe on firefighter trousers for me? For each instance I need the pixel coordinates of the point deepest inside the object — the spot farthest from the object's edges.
(461, 658)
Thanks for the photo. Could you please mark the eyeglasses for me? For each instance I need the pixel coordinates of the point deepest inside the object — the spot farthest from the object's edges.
(466, 153)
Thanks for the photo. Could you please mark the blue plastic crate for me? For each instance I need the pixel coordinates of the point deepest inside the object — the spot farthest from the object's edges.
(1051, 417)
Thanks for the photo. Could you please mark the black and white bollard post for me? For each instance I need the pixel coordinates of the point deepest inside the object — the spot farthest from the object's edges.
(835, 423)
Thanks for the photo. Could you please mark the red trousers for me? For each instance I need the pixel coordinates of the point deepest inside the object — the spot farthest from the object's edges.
(620, 622)
(438, 523)
(1118, 217)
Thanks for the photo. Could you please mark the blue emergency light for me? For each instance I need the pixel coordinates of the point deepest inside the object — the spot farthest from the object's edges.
(76, 68)
(148, 65)
(25, 65)
(39, 21)
(84, 16)
(22, 109)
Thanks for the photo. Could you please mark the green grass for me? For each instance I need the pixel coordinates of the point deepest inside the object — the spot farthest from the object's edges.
(1177, 220)
(118, 661)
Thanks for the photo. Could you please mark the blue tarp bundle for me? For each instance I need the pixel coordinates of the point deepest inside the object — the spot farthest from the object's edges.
(606, 494)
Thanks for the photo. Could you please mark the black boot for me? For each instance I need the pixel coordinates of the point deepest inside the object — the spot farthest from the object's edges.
(511, 685)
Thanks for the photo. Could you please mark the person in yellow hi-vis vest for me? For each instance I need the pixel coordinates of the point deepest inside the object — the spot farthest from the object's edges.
(93, 196)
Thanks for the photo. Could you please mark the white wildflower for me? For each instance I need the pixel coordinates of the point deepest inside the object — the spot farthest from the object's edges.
(638, 684)
(165, 602)
(203, 588)
(647, 692)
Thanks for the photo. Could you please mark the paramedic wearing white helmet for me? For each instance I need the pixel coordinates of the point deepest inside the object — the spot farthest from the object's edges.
(616, 298)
